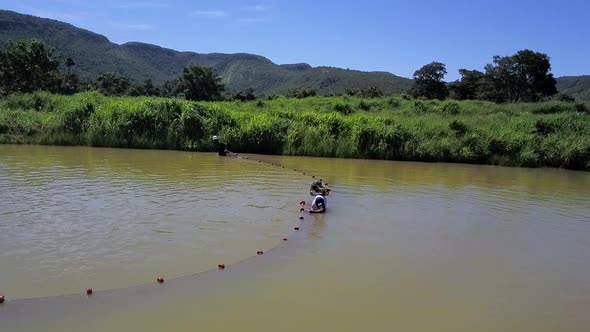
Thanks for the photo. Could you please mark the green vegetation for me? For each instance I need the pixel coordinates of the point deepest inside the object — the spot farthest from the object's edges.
(200, 83)
(31, 66)
(428, 82)
(28, 67)
(522, 77)
(555, 134)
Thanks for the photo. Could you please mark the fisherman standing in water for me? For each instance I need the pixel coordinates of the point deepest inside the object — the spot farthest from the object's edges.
(221, 147)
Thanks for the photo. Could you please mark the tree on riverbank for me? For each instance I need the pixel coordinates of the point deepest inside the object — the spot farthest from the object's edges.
(469, 86)
(200, 83)
(522, 77)
(29, 66)
(112, 84)
(428, 82)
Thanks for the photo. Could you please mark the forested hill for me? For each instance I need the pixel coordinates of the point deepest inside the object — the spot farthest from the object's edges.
(575, 86)
(94, 55)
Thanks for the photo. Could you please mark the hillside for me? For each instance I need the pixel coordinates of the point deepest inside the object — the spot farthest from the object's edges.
(576, 86)
(94, 54)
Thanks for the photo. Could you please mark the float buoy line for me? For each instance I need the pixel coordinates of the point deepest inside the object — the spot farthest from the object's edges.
(221, 266)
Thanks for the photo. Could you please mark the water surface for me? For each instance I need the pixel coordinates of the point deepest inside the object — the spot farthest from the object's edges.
(404, 246)
(73, 218)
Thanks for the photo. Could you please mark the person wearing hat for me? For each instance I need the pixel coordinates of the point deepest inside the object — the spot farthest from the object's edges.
(221, 147)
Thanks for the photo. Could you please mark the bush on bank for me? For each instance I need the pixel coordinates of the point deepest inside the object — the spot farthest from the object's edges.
(554, 134)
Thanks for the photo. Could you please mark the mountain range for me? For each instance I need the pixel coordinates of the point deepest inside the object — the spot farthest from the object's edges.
(94, 55)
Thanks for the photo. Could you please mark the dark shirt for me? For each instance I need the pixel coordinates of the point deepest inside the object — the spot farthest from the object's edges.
(221, 148)
(315, 188)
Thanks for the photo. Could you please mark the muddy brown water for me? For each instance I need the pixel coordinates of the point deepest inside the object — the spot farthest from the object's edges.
(404, 246)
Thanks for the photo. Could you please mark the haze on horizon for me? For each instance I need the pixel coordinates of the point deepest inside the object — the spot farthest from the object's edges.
(375, 35)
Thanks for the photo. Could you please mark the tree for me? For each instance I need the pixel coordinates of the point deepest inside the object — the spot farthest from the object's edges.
(112, 84)
(469, 86)
(301, 94)
(521, 77)
(200, 83)
(372, 92)
(428, 82)
(532, 72)
(70, 63)
(149, 89)
(145, 88)
(28, 66)
(170, 89)
(70, 84)
(247, 95)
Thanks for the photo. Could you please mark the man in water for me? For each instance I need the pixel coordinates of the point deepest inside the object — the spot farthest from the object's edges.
(318, 188)
(221, 148)
(318, 205)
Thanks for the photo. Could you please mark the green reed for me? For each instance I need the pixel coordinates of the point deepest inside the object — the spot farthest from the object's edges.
(554, 134)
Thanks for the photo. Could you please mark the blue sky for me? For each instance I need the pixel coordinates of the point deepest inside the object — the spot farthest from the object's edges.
(393, 36)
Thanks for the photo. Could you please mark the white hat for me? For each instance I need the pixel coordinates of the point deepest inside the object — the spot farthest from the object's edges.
(215, 138)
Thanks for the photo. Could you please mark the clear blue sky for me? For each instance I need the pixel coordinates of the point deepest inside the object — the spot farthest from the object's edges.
(394, 36)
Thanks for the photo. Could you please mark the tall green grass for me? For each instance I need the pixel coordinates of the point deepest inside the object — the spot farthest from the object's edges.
(555, 134)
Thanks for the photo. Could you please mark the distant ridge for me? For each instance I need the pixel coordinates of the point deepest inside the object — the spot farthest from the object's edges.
(94, 54)
(576, 86)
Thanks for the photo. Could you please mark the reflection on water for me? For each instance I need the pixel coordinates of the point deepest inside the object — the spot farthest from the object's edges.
(404, 246)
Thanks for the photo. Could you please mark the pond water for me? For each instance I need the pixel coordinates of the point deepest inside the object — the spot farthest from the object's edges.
(403, 246)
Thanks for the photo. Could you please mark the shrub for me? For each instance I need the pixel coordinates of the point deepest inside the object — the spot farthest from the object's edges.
(394, 103)
(420, 107)
(451, 108)
(458, 127)
(372, 92)
(336, 125)
(343, 109)
(582, 108)
(504, 146)
(192, 122)
(75, 120)
(544, 127)
(365, 106)
(40, 102)
(552, 108)
(300, 94)
(565, 98)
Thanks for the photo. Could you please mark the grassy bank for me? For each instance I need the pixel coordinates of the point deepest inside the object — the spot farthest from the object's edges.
(555, 134)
